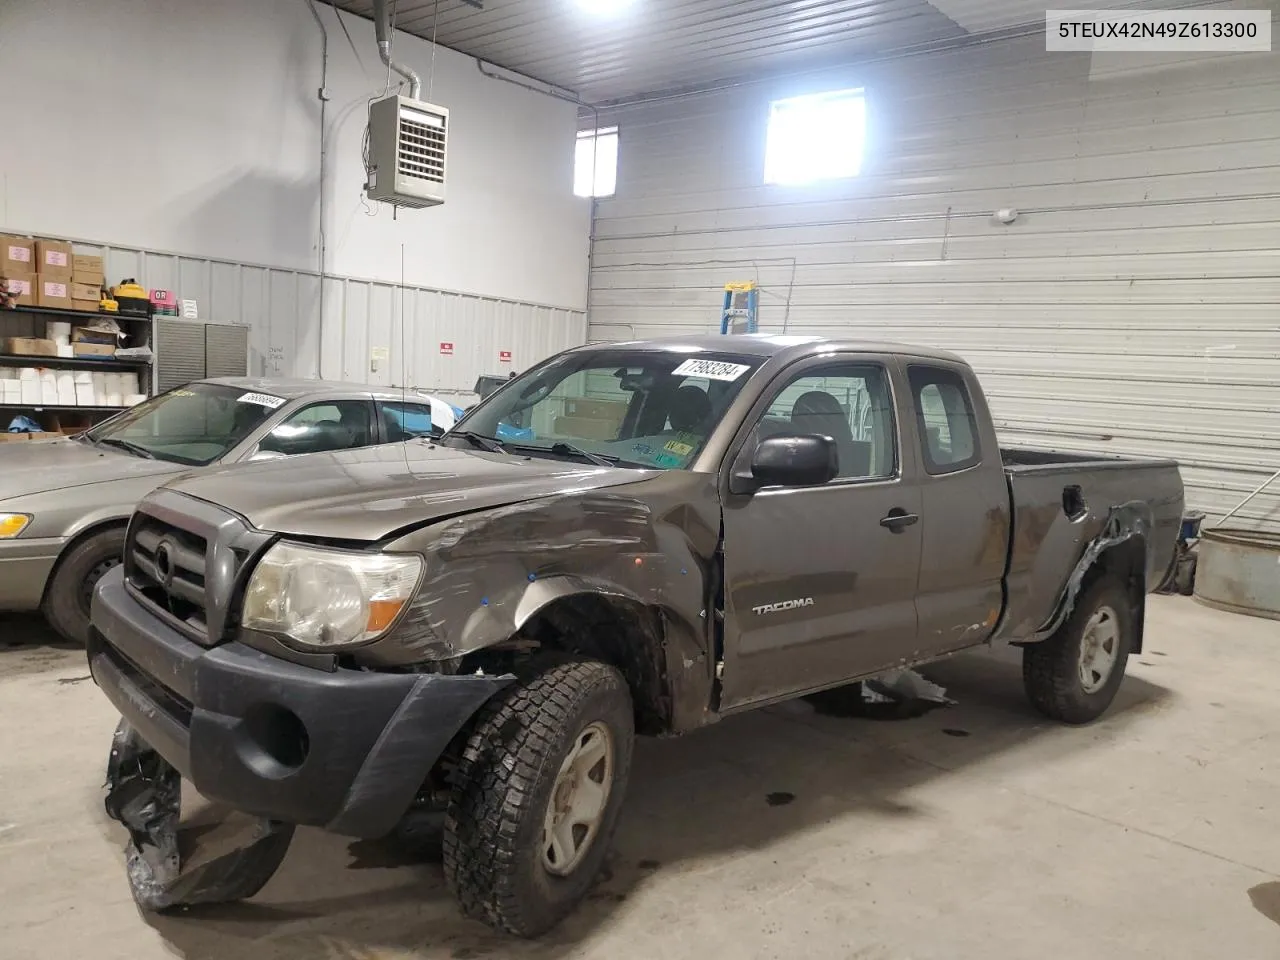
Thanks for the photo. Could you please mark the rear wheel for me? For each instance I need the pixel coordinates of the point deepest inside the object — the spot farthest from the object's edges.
(536, 796)
(69, 597)
(1074, 675)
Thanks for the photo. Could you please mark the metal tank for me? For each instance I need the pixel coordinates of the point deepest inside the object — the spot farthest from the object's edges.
(1239, 571)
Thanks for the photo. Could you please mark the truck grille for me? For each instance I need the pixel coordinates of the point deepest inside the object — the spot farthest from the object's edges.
(186, 560)
(167, 567)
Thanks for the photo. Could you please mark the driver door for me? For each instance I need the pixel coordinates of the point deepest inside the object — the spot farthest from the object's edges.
(820, 582)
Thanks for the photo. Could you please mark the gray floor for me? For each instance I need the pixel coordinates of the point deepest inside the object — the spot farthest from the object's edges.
(976, 831)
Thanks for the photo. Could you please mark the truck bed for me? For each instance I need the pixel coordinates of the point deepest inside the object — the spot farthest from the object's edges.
(1060, 501)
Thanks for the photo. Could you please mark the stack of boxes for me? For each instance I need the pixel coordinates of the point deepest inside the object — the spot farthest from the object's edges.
(87, 278)
(37, 387)
(18, 267)
(53, 273)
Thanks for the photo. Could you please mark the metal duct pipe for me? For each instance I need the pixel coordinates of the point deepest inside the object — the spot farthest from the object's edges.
(382, 29)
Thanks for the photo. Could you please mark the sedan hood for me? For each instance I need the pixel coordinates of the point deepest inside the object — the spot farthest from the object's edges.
(37, 466)
(367, 494)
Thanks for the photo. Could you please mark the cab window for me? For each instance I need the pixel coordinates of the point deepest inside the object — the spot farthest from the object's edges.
(944, 419)
(851, 404)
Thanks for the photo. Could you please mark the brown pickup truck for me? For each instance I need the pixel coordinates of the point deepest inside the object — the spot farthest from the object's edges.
(685, 529)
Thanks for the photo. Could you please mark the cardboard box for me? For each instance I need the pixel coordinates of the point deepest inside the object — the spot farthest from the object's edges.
(85, 306)
(84, 349)
(587, 428)
(54, 259)
(87, 269)
(53, 292)
(48, 388)
(23, 285)
(17, 255)
(88, 335)
(30, 346)
(8, 437)
(86, 291)
(613, 410)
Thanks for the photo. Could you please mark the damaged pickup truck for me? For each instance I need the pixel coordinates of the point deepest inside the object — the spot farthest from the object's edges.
(686, 529)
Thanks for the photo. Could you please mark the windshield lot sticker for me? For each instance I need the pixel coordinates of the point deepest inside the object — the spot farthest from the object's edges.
(261, 399)
(644, 449)
(675, 446)
(667, 460)
(711, 369)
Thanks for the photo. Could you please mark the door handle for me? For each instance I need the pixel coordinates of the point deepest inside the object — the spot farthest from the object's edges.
(898, 520)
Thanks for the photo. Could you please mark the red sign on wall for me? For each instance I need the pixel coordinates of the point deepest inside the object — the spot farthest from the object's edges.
(504, 356)
(446, 348)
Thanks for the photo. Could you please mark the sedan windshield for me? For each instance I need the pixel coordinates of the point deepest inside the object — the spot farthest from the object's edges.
(195, 424)
(637, 408)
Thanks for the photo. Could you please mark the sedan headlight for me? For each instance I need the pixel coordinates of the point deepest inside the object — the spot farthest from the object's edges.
(328, 598)
(12, 524)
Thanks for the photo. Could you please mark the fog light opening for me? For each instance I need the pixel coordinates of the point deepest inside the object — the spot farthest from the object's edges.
(275, 741)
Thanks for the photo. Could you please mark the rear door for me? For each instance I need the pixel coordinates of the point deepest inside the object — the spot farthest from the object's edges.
(964, 508)
(820, 581)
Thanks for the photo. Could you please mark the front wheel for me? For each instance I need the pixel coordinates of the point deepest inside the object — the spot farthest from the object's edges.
(536, 796)
(70, 593)
(1075, 674)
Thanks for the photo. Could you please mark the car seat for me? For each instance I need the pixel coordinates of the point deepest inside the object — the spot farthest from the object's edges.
(818, 412)
(690, 410)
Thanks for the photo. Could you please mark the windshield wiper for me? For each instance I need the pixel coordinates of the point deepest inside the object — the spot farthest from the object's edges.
(562, 449)
(479, 440)
(127, 445)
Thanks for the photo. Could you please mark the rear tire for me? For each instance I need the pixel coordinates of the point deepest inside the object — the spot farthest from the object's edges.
(1075, 674)
(70, 593)
(536, 796)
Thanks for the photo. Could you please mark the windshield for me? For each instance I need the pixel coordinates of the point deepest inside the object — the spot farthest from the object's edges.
(637, 408)
(195, 424)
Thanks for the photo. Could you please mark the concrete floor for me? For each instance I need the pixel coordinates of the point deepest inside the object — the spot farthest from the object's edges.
(976, 831)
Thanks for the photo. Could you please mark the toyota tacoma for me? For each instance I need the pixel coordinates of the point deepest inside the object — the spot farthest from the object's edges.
(682, 530)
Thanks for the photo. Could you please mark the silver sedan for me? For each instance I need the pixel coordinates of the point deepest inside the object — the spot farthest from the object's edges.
(64, 503)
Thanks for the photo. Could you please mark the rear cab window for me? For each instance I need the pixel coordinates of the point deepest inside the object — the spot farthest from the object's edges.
(944, 419)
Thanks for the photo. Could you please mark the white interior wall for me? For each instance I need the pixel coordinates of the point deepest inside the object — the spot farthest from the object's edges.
(194, 128)
(1132, 307)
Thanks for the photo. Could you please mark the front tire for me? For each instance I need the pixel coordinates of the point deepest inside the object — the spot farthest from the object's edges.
(536, 796)
(1075, 674)
(70, 594)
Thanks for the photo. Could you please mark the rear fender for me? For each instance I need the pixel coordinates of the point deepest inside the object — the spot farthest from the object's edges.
(1120, 549)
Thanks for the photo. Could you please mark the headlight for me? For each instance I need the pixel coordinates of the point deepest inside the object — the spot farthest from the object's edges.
(12, 524)
(328, 598)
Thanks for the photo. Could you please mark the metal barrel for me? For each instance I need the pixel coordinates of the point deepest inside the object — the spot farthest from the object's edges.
(1239, 571)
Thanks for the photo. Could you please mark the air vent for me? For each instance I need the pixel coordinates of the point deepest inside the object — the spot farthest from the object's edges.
(407, 150)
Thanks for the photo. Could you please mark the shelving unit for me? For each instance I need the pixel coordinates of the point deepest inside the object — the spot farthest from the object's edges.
(29, 321)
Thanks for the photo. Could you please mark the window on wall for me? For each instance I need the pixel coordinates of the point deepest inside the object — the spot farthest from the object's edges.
(595, 162)
(815, 137)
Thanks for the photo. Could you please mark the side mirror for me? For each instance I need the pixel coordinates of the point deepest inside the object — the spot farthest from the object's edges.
(260, 455)
(807, 460)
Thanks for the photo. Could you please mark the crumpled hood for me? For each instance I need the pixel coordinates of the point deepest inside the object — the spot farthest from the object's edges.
(366, 494)
(36, 466)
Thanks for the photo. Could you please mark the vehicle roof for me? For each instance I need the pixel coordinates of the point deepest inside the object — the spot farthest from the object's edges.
(291, 388)
(772, 345)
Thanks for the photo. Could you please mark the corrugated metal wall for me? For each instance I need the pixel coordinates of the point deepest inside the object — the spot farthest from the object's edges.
(361, 319)
(1134, 306)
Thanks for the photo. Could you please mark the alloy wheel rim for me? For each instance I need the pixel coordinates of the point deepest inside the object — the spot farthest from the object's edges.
(1099, 648)
(578, 800)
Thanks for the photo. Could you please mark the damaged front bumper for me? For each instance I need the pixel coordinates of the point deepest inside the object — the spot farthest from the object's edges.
(144, 792)
(346, 750)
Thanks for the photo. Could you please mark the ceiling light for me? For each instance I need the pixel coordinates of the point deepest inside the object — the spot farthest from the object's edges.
(605, 8)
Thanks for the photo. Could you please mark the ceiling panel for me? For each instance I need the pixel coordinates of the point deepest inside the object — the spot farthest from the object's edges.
(662, 45)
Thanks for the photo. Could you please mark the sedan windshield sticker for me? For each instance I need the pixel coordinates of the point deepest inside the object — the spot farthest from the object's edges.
(261, 399)
(711, 369)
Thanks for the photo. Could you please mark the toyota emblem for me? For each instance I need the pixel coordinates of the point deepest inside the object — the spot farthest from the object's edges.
(164, 563)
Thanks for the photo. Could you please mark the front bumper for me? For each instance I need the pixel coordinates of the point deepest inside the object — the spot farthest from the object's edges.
(25, 566)
(347, 750)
